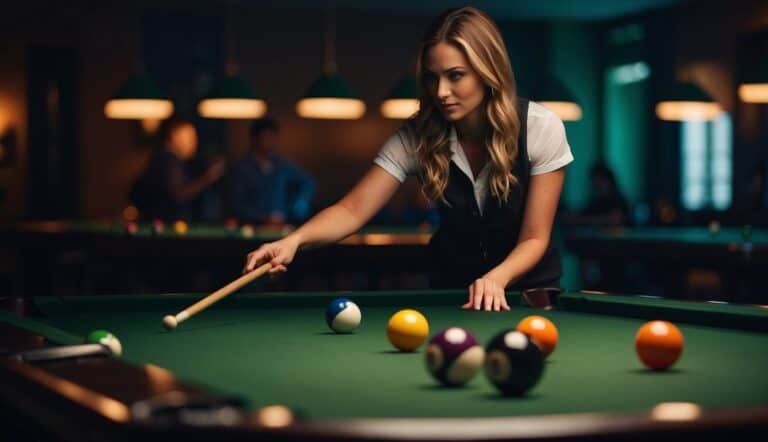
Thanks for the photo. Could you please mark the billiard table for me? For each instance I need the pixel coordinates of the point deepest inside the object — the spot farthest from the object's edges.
(89, 249)
(265, 366)
(737, 254)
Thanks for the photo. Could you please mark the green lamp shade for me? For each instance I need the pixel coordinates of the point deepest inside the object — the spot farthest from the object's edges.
(138, 99)
(329, 97)
(686, 102)
(554, 95)
(329, 86)
(754, 88)
(403, 101)
(234, 98)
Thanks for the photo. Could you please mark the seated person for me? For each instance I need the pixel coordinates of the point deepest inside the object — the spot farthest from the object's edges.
(267, 188)
(165, 189)
(606, 206)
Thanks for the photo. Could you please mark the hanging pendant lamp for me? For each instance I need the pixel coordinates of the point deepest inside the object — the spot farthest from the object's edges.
(685, 102)
(754, 89)
(232, 97)
(329, 96)
(403, 101)
(139, 99)
(555, 96)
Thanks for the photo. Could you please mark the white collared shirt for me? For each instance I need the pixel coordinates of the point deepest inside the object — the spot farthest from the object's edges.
(548, 150)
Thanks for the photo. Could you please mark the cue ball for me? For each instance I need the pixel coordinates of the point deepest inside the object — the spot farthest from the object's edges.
(342, 315)
(180, 227)
(454, 356)
(407, 329)
(170, 322)
(658, 344)
(247, 231)
(107, 339)
(543, 332)
(513, 362)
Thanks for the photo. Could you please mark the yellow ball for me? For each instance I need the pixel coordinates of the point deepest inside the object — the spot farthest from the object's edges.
(407, 329)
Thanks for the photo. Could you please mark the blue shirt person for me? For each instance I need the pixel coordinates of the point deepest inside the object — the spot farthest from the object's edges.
(267, 188)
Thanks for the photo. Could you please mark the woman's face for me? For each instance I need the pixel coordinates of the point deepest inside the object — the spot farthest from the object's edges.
(452, 83)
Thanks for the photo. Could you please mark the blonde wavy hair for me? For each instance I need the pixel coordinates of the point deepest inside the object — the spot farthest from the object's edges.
(478, 37)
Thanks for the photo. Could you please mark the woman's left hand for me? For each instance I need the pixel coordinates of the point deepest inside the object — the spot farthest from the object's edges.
(487, 293)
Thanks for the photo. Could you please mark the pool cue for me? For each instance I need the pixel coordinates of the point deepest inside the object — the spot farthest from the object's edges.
(170, 322)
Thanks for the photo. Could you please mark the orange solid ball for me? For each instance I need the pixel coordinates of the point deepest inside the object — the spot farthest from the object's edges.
(659, 344)
(180, 227)
(543, 332)
(407, 330)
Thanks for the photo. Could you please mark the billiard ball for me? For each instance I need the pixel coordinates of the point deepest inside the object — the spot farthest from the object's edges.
(453, 356)
(714, 227)
(658, 344)
(131, 228)
(247, 231)
(513, 362)
(180, 227)
(230, 225)
(158, 227)
(407, 329)
(342, 315)
(107, 339)
(543, 332)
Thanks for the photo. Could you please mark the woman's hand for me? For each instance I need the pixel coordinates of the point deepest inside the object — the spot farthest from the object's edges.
(279, 253)
(487, 292)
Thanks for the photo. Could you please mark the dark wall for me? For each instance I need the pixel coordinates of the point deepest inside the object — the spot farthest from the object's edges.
(280, 53)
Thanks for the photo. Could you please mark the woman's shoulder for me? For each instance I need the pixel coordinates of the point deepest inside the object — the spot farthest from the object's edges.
(540, 116)
(543, 126)
(407, 135)
(404, 140)
(547, 143)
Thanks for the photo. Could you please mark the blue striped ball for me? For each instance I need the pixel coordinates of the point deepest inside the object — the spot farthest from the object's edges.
(343, 315)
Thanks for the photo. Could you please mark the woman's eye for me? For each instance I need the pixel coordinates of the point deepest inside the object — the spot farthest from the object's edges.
(455, 76)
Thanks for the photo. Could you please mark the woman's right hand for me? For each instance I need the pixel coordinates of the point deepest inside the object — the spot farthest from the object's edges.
(279, 253)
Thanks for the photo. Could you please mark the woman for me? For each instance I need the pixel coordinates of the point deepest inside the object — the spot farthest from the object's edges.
(165, 190)
(492, 163)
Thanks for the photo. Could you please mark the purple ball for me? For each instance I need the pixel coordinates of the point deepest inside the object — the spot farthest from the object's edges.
(454, 356)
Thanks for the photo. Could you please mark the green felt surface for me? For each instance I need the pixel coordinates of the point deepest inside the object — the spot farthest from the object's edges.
(216, 231)
(276, 349)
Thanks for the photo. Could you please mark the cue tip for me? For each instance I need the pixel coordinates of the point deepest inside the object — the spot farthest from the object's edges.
(170, 322)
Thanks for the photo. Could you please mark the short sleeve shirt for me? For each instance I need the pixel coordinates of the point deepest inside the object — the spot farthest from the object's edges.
(548, 150)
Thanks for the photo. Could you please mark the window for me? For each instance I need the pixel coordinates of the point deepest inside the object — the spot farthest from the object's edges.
(706, 163)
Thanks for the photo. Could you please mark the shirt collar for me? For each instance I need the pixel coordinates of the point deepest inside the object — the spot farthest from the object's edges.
(459, 157)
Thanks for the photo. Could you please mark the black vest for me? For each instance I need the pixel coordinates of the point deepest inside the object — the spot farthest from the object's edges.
(469, 244)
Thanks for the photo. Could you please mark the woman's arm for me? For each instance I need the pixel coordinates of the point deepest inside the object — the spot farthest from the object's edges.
(352, 212)
(333, 223)
(540, 208)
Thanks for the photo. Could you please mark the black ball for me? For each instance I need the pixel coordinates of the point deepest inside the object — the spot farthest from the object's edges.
(513, 362)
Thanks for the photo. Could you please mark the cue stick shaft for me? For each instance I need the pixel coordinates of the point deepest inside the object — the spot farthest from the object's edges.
(222, 292)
